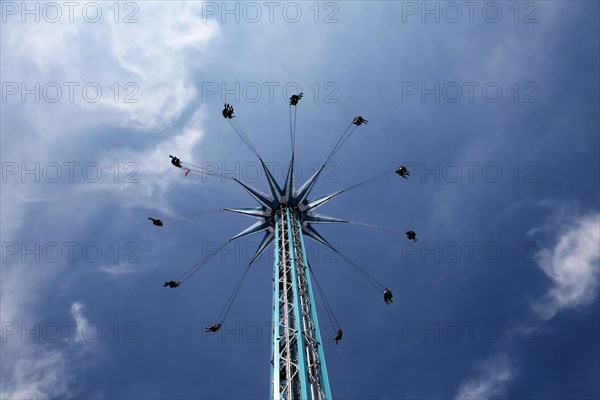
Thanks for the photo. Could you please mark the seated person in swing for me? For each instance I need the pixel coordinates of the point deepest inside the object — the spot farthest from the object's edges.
(387, 296)
(411, 235)
(156, 221)
(175, 161)
(295, 99)
(403, 172)
(228, 111)
(213, 328)
(359, 121)
(339, 335)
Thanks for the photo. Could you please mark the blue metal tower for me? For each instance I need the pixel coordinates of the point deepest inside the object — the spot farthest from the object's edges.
(298, 369)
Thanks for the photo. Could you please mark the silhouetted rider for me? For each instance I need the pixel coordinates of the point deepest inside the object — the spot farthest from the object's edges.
(387, 296)
(213, 328)
(175, 161)
(156, 221)
(296, 98)
(339, 335)
(403, 172)
(359, 121)
(411, 235)
(228, 111)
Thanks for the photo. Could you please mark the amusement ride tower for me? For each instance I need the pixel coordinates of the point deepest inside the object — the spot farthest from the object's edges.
(286, 216)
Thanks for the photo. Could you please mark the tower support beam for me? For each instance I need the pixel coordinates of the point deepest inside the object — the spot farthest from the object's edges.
(298, 362)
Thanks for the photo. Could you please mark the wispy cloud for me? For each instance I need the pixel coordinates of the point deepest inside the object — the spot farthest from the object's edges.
(76, 312)
(572, 265)
(495, 374)
(157, 58)
(573, 268)
(38, 373)
(33, 367)
(161, 55)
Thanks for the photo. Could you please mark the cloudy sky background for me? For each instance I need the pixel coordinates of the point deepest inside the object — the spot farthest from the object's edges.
(516, 173)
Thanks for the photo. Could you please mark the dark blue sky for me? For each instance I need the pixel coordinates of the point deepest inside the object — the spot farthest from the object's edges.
(494, 109)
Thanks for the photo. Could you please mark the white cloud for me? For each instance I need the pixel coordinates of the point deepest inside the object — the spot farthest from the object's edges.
(120, 269)
(496, 373)
(156, 54)
(37, 374)
(154, 172)
(572, 265)
(161, 54)
(76, 312)
(38, 364)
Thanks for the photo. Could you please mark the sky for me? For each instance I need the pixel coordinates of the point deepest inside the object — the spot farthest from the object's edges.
(492, 106)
